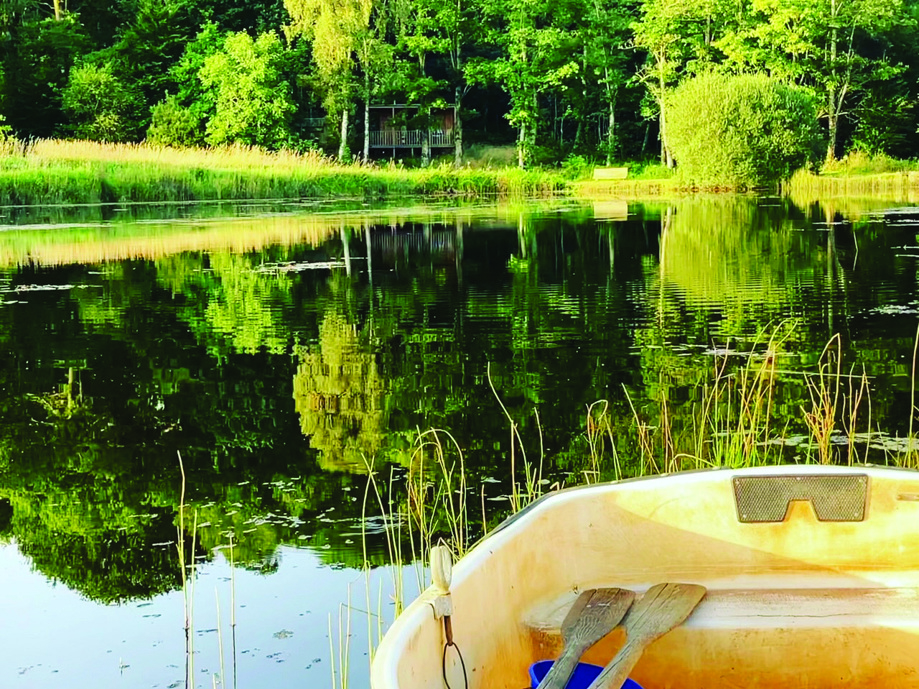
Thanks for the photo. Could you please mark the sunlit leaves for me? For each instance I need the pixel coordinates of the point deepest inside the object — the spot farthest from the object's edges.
(253, 103)
(746, 130)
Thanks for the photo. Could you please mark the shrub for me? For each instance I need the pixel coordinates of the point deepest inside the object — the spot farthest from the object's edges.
(6, 131)
(173, 125)
(740, 130)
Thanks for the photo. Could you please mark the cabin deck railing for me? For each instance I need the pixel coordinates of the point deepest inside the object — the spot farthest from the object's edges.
(410, 138)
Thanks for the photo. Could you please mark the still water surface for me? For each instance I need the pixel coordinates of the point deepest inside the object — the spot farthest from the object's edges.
(280, 348)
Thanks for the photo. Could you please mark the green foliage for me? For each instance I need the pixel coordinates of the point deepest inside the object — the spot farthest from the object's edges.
(100, 106)
(650, 171)
(152, 44)
(837, 47)
(191, 92)
(577, 167)
(740, 131)
(886, 122)
(36, 68)
(102, 19)
(549, 77)
(173, 125)
(253, 101)
(863, 162)
(6, 131)
(253, 16)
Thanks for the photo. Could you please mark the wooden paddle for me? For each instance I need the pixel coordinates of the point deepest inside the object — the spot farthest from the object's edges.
(594, 615)
(662, 608)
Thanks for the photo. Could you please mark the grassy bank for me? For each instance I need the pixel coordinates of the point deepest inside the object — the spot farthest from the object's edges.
(858, 174)
(46, 172)
(55, 172)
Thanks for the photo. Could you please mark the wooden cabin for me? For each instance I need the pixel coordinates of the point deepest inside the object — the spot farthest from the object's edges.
(390, 128)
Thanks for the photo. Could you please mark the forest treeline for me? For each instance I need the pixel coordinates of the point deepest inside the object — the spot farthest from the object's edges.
(555, 78)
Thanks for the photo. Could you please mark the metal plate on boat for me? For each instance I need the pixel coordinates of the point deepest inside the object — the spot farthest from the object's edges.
(835, 498)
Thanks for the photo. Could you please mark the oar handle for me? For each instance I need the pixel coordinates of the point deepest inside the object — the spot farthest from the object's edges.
(561, 670)
(614, 675)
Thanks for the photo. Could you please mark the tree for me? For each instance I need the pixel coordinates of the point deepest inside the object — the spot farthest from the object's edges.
(334, 28)
(101, 107)
(36, 69)
(456, 24)
(605, 33)
(678, 37)
(830, 45)
(432, 29)
(171, 124)
(152, 43)
(102, 19)
(532, 60)
(415, 26)
(181, 118)
(252, 16)
(744, 130)
(252, 102)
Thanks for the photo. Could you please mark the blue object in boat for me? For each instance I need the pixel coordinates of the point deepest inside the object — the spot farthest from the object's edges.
(584, 674)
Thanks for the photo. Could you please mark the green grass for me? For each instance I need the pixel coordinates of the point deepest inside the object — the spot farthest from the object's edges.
(74, 172)
(50, 172)
(857, 174)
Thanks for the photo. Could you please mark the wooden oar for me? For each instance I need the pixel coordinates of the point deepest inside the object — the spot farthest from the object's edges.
(594, 615)
(662, 608)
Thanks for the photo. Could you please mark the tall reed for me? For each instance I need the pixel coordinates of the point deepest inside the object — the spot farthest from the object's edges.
(53, 172)
(732, 423)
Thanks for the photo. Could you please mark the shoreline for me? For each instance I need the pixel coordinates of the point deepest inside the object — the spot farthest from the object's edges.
(59, 172)
(51, 172)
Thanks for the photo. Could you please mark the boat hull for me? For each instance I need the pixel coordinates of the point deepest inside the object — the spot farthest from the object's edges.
(802, 600)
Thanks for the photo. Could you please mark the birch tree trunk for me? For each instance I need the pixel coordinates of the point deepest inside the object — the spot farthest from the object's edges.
(611, 131)
(366, 117)
(457, 129)
(343, 145)
(832, 110)
(610, 135)
(521, 143)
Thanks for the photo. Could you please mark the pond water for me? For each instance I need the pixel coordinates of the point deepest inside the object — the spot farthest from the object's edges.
(280, 349)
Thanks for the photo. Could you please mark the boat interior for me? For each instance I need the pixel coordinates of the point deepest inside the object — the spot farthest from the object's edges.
(811, 578)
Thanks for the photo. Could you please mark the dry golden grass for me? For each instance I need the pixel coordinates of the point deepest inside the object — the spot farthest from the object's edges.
(55, 171)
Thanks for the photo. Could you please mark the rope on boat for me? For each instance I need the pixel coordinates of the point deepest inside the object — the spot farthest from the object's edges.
(462, 664)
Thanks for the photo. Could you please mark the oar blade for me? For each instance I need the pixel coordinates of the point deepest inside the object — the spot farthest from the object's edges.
(663, 607)
(594, 614)
(600, 613)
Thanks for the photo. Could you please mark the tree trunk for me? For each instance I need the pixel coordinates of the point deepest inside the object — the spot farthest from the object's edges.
(832, 127)
(343, 145)
(521, 143)
(832, 110)
(457, 129)
(611, 131)
(426, 146)
(57, 10)
(662, 129)
(366, 118)
(345, 242)
(666, 157)
(611, 135)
